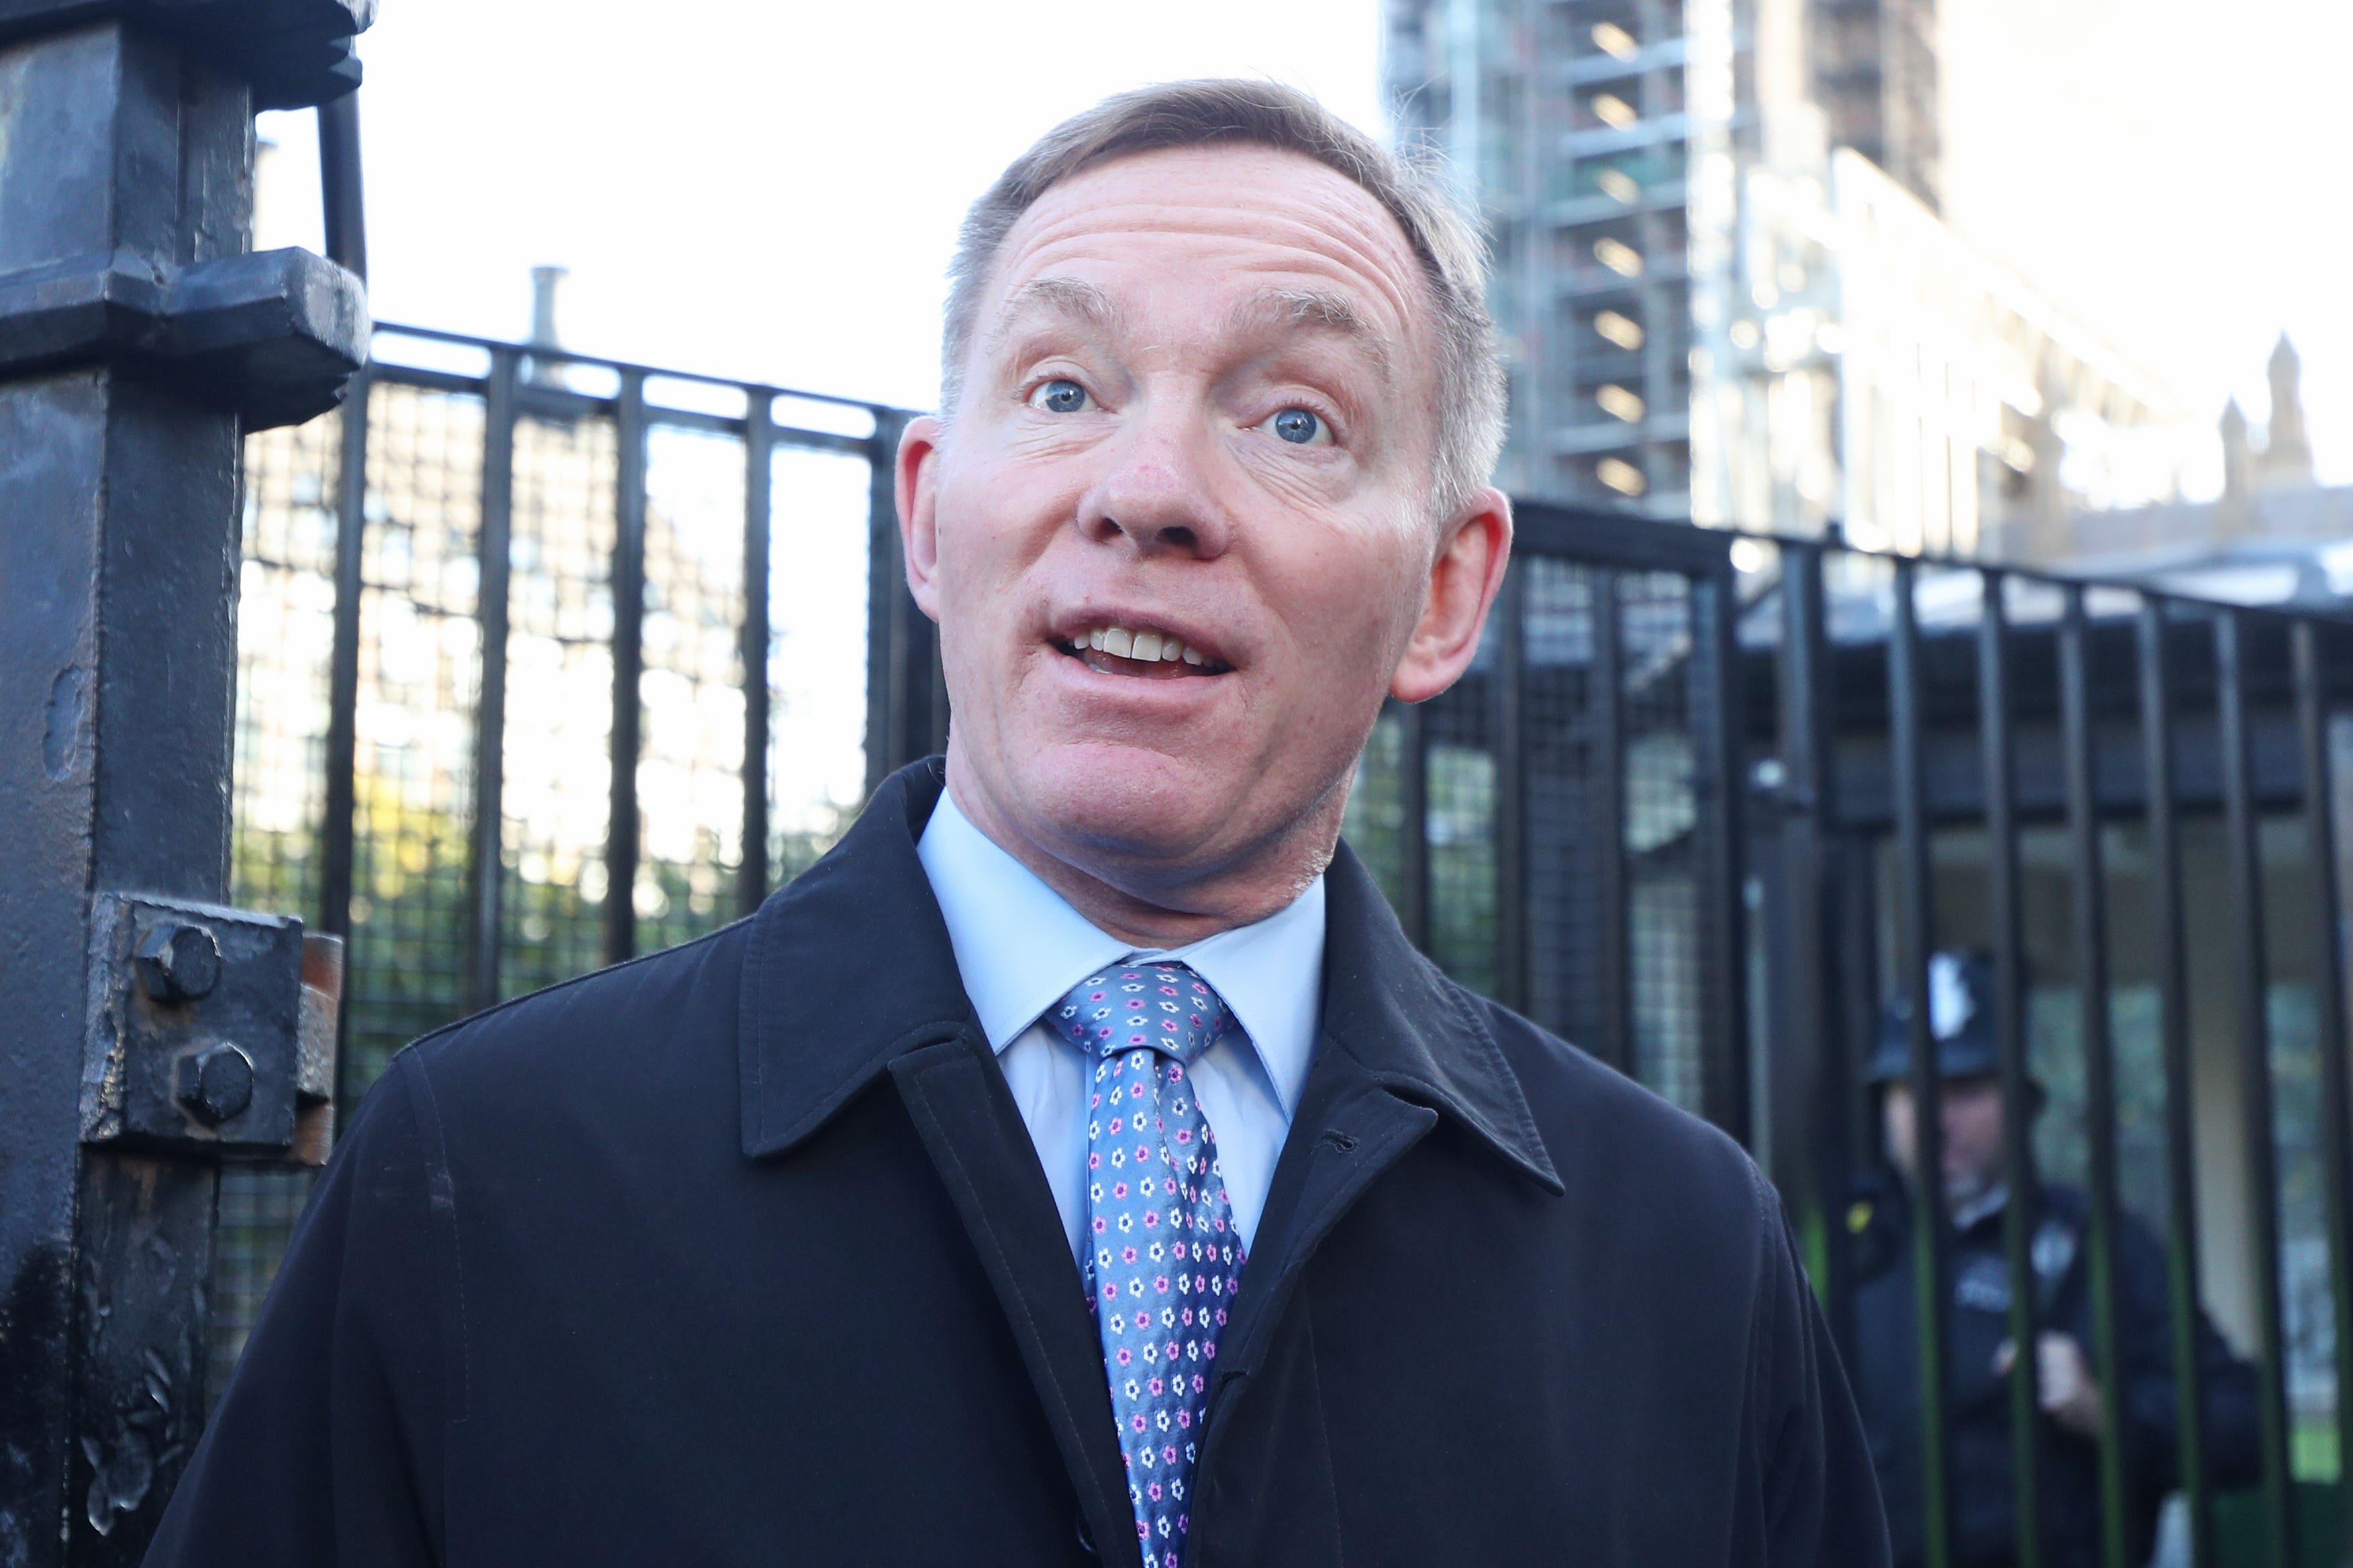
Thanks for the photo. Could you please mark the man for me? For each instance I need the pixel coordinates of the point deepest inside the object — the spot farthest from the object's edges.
(1978, 1347)
(1078, 1161)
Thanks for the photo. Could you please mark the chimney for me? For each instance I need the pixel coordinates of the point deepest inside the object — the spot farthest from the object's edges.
(547, 282)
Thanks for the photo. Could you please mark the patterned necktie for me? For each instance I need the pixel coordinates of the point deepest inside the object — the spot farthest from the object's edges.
(1165, 1257)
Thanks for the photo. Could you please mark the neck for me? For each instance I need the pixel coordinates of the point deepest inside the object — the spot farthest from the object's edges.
(1156, 904)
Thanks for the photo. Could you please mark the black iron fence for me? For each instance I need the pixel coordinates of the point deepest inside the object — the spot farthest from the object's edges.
(585, 676)
(608, 653)
(1710, 823)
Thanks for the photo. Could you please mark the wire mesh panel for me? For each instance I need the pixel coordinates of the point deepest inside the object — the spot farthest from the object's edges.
(1659, 825)
(818, 667)
(690, 772)
(286, 606)
(1459, 820)
(1565, 764)
(559, 726)
(285, 625)
(1376, 825)
(419, 668)
(1602, 727)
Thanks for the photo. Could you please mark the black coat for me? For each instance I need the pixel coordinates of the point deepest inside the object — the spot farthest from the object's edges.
(1887, 1361)
(740, 1254)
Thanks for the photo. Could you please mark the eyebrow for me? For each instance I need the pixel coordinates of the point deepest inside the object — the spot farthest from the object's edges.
(1058, 296)
(1313, 310)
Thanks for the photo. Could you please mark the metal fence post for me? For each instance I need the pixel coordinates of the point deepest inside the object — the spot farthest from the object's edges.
(759, 479)
(1719, 784)
(487, 858)
(2250, 967)
(130, 366)
(2022, 1214)
(1511, 789)
(1915, 927)
(1606, 825)
(2329, 996)
(1413, 827)
(629, 670)
(336, 850)
(2091, 940)
(1810, 1016)
(2159, 784)
(898, 639)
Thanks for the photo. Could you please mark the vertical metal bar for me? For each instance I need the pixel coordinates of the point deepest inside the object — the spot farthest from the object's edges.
(1811, 1016)
(889, 657)
(1915, 927)
(1606, 829)
(1413, 825)
(2172, 962)
(1511, 793)
(1714, 708)
(486, 861)
(2022, 1214)
(2328, 1005)
(1857, 983)
(2248, 967)
(935, 709)
(340, 188)
(628, 666)
(337, 849)
(2091, 943)
(759, 478)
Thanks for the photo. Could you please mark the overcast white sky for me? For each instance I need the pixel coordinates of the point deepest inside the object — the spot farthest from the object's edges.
(771, 191)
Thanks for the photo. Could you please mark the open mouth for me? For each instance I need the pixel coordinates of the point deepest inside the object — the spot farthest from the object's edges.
(1146, 655)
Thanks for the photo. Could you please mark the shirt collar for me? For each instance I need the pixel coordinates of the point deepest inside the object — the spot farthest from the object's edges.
(1020, 947)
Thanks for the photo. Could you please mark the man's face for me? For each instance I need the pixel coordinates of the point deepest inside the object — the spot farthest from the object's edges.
(1972, 1122)
(1178, 538)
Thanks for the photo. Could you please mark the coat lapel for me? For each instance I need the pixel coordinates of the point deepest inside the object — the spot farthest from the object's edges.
(976, 1136)
(1397, 1050)
(852, 976)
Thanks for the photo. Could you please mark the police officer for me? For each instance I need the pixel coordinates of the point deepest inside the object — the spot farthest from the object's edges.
(1961, 1020)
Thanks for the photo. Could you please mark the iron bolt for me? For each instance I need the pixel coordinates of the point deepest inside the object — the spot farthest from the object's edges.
(216, 1083)
(178, 963)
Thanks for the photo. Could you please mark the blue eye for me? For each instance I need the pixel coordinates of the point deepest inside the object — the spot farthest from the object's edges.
(1060, 396)
(1298, 426)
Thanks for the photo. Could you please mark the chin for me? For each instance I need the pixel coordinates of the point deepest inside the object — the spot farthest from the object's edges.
(1125, 803)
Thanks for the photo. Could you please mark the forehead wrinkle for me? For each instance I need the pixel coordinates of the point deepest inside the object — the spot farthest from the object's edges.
(1333, 219)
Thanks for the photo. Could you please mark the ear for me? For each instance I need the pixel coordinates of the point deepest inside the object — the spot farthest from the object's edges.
(917, 486)
(1464, 575)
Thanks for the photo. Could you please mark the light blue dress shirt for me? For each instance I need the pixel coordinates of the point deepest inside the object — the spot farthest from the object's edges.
(1020, 947)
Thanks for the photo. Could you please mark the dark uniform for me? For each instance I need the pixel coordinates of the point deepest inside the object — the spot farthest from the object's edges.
(1886, 1363)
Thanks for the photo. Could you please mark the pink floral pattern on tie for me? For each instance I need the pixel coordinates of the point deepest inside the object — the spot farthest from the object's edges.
(1165, 1257)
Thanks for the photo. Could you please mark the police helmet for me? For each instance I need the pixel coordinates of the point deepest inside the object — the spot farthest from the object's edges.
(1960, 1019)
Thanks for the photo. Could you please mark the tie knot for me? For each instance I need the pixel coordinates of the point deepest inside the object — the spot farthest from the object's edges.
(1164, 1007)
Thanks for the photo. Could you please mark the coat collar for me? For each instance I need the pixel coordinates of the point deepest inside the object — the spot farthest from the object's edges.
(850, 967)
(1411, 1030)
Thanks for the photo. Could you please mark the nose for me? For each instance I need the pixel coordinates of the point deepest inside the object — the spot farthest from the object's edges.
(1156, 498)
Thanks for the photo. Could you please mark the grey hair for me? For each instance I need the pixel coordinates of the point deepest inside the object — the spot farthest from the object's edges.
(1453, 256)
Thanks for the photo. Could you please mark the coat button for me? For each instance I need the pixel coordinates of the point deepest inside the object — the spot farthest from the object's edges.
(1087, 1537)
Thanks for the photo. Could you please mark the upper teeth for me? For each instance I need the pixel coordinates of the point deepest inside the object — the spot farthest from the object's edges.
(1147, 645)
